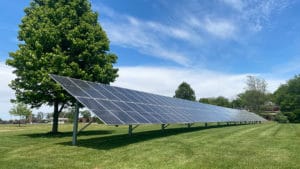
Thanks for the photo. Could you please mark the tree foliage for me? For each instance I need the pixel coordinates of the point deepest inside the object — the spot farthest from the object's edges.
(287, 96)
(86, 114)
(281, 118)
(218, 101)
(59, 37)
(255, 95)
(184, 91)
(256, 84)
(21, 109)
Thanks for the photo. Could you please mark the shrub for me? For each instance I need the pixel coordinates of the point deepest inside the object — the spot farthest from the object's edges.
(290, 115)
(297, 115)
(281, 118)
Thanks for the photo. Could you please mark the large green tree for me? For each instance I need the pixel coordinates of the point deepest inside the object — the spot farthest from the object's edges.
(184, 91)
(59, 37)
(287, 96)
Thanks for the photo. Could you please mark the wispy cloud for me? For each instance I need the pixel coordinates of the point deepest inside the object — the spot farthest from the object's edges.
(193, 26)
(235, 4)
(220, 28)
(258, 12)
(147, 37)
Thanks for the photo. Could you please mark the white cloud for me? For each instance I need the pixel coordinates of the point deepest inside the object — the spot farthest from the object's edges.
(128, 35)
(221, 28)
(147, 37)
(6, 93)
(256, 14)
(165, 80)
(236, 4)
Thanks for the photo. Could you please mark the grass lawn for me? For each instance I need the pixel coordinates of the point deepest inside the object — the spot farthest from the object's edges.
(268, 145)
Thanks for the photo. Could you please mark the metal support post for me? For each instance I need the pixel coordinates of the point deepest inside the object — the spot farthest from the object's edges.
(206, 124)
(163, 126)
(130, 130)
(75, 124)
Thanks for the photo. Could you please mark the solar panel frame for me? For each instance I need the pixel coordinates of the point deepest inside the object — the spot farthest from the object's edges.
(120, 106)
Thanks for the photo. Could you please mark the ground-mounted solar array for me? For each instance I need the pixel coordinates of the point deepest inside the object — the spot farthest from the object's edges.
(120, 106)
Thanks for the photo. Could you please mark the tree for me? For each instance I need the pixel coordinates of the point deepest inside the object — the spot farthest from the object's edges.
(64, 38)
(86, 114)
(219, 101)
(256, 84)
(287, 96)
(205, 100)
(40, 116)
(184, 91)
(255, 95)
(237, 103)
(20, 109)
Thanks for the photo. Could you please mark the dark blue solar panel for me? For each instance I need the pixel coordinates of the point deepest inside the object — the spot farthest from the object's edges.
(116, 106)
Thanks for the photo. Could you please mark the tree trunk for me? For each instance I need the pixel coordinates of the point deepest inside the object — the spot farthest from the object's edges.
(55, 118)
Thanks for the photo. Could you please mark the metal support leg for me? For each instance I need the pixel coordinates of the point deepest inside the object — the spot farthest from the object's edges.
(75, 124)
(130, 130)
(163, 127)
(84, 127)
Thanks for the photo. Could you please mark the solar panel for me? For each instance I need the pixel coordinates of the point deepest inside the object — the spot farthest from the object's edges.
(120, 106)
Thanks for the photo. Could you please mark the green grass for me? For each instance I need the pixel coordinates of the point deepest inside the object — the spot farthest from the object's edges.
(269, 145)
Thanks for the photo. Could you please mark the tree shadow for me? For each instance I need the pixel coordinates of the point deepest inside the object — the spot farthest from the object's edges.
(68, 134)
(115, 141)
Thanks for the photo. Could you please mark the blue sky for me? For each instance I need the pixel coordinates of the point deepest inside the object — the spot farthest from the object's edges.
(213, 45)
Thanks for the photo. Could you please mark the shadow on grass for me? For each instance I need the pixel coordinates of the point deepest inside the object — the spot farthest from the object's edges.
(115, 141)
(68, 134)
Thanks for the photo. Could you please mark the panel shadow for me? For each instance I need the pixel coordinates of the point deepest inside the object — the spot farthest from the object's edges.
(120, 140)
(68, 134)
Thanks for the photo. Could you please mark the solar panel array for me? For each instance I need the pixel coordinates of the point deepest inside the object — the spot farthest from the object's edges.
(120, 106)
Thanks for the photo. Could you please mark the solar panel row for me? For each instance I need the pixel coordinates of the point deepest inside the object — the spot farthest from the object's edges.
(117, 106)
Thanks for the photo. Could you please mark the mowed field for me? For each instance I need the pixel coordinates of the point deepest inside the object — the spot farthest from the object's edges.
(268, 145)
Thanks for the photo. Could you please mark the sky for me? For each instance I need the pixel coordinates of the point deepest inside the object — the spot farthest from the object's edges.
(212, 45)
